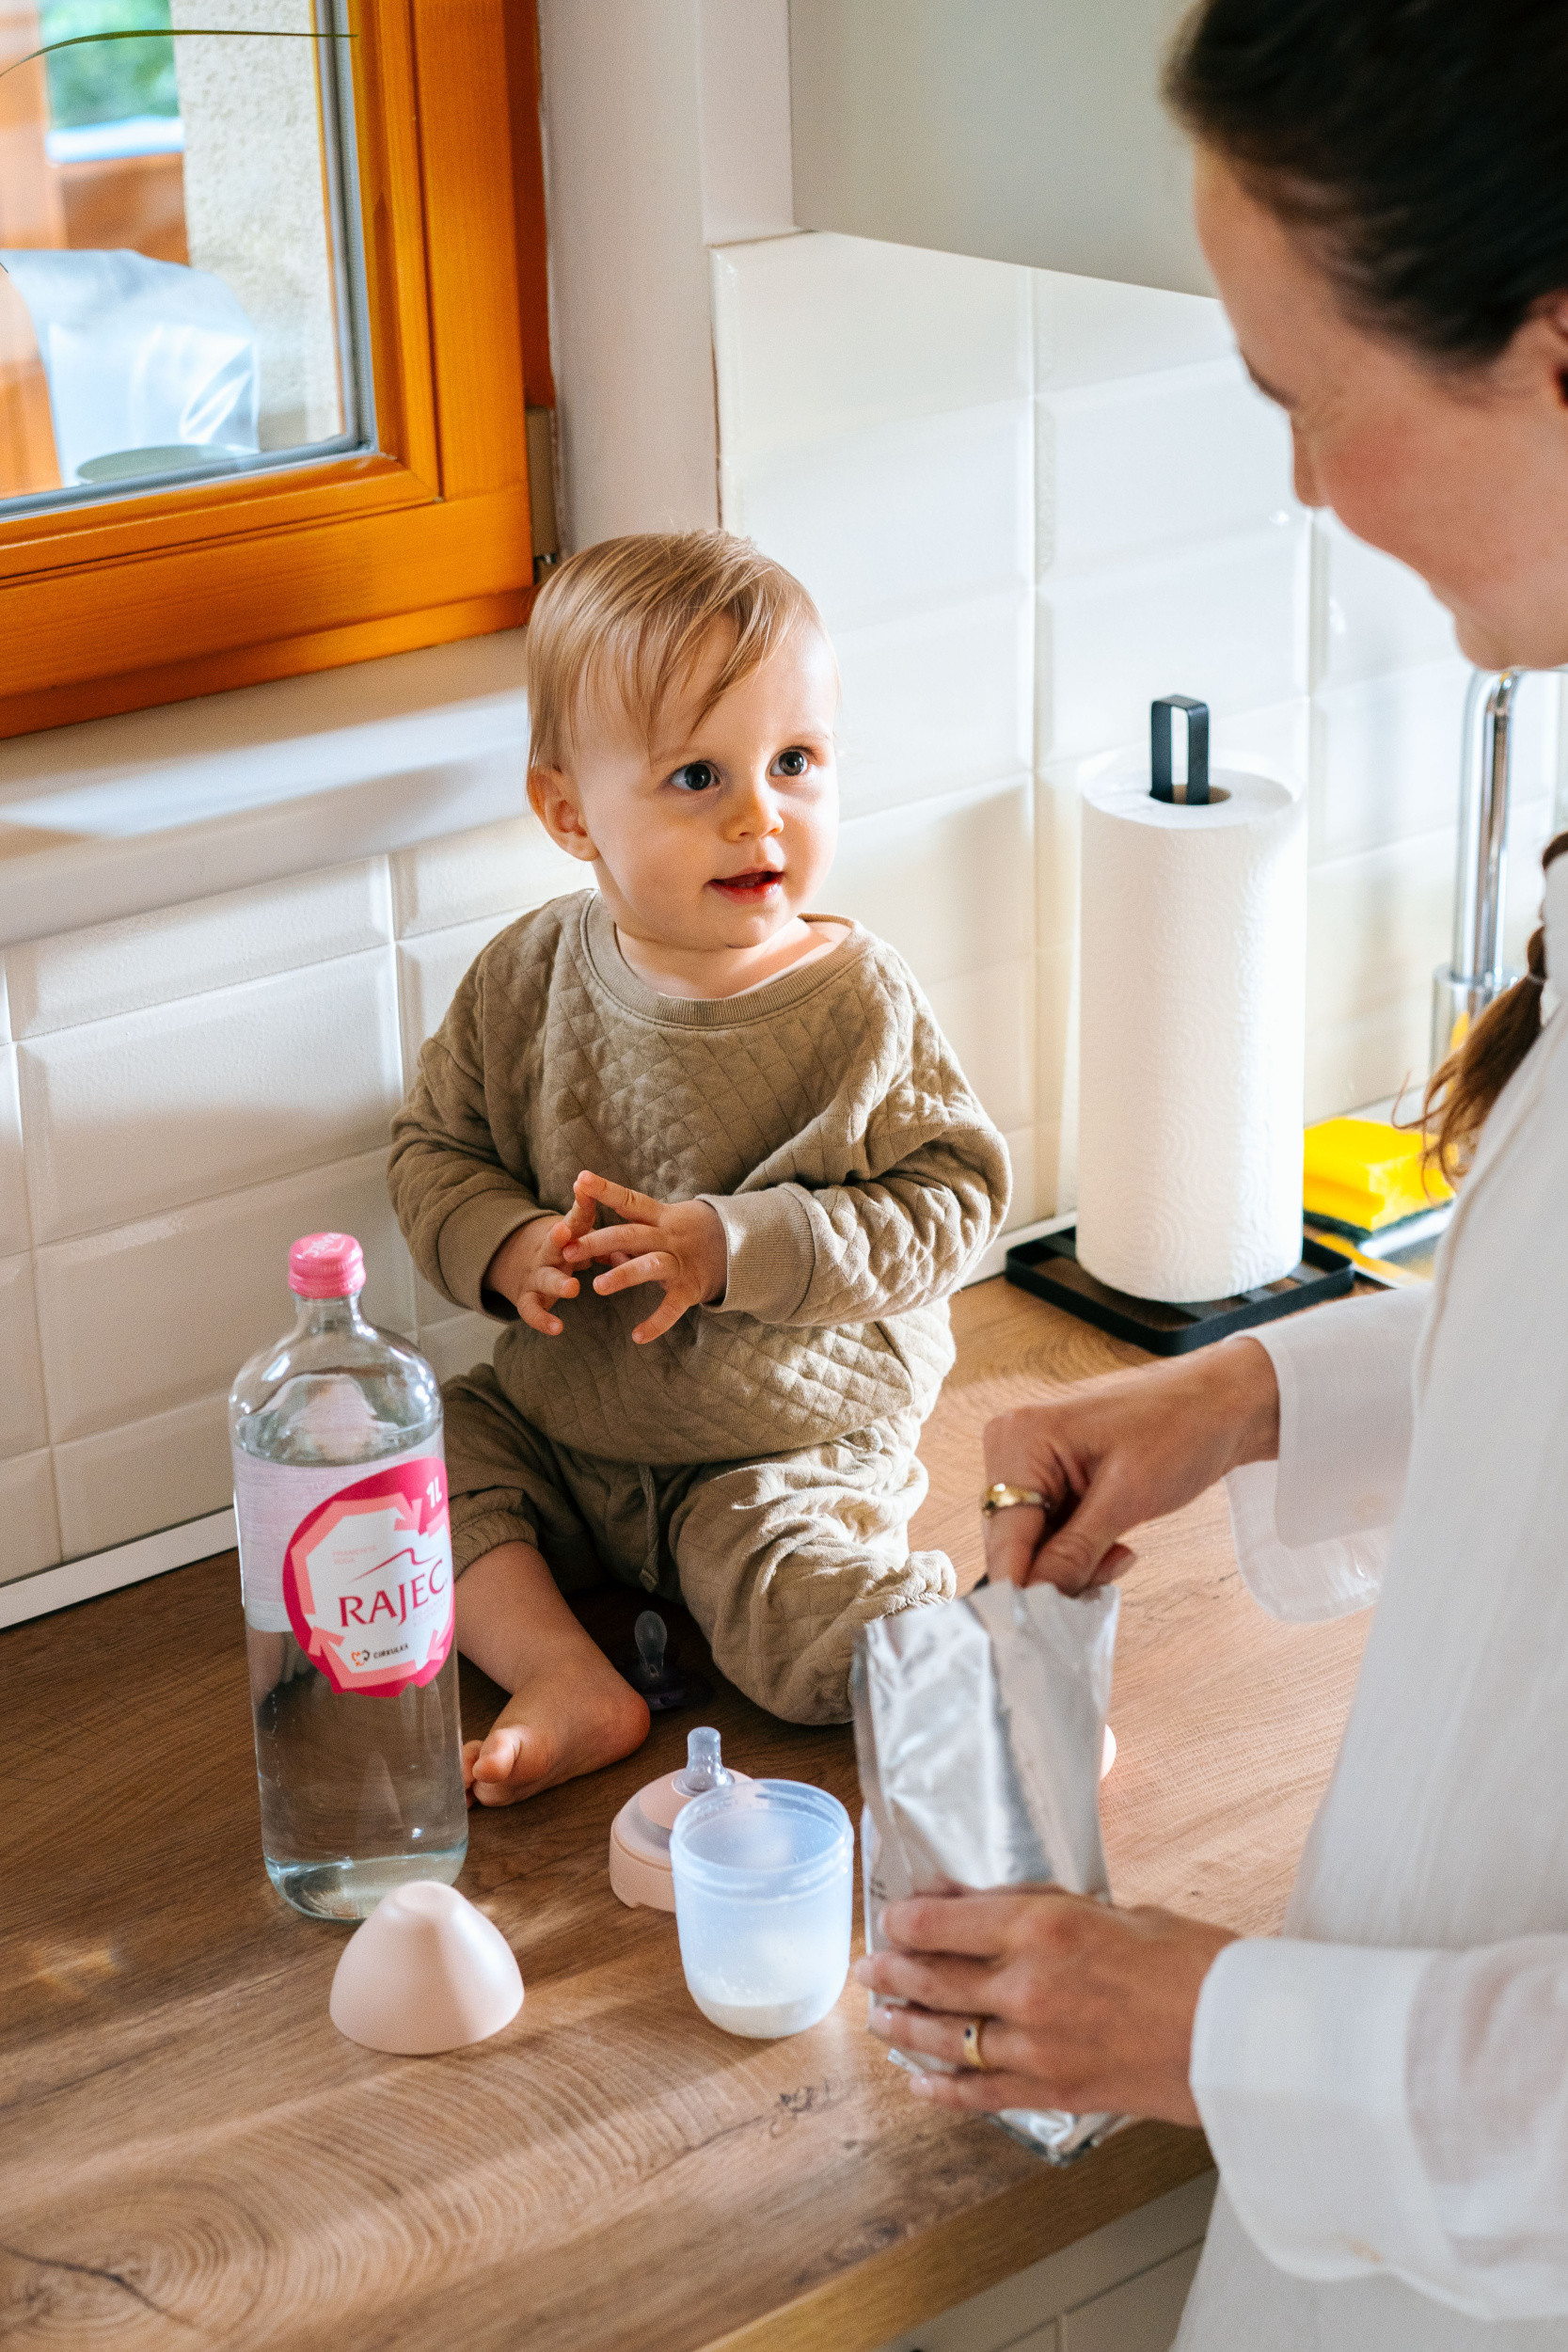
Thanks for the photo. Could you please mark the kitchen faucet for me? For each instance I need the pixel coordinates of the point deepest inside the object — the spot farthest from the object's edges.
(1462, 988)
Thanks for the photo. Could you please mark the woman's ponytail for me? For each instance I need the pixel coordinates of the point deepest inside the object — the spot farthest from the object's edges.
(1462, 1089)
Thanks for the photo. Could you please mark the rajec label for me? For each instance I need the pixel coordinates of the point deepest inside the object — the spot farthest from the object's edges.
(366, 1579)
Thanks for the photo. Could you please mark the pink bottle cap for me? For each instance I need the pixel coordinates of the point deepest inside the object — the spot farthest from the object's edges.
(326, 1266)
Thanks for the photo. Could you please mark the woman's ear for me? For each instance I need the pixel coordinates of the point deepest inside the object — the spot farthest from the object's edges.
(554, 802)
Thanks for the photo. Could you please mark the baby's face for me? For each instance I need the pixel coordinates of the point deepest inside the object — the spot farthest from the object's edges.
(727, 830)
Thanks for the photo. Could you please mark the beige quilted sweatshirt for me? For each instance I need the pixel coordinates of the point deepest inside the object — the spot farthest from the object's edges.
(822, 1115)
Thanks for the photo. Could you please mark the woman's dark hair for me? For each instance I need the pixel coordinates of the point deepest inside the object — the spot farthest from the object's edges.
(1420, 147)
(1423, 144)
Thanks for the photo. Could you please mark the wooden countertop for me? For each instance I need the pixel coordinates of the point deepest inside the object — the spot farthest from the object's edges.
(191, 2155)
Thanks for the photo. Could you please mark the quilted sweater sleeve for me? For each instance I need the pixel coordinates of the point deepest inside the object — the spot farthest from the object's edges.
(926, 1188)
(454, 1199)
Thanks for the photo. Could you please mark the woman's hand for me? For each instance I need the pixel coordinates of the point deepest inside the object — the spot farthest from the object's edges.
(1118, 1451)
(1085, 2007)
(679, 1243)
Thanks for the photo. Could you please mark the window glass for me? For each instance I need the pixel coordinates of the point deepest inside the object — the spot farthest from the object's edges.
(178, 242)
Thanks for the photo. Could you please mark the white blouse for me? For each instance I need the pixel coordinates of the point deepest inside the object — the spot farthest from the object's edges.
(1386, 2087)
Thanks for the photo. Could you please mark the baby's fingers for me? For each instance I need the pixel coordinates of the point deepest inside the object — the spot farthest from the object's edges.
(654, 1266)
(533, 1306)
(635, 1206)
(614, 1241)
(665, 1316)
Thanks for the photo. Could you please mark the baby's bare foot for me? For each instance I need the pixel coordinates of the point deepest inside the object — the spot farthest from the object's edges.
(571, 1717)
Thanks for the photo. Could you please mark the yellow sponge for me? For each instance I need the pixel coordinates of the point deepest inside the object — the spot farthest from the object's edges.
(1363, 1172)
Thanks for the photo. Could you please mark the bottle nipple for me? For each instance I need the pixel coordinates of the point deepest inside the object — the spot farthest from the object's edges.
(652, 1636)
(705, 1768)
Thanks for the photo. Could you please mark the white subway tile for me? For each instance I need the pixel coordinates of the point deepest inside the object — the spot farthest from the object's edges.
(429, 968)
(459, 1342)
(949, 884)
(935, 701)
(1226, 622)
(1157, 461)
(1374, 615)
(1370, 1056)
(1377, 925)
(22, 1425)
(29, 1524)
(898, 516)
(818, 335)
(5, 1005)
(1090, 330)
(178, 1103)
(987, 1017)
(206, 945)
(145, 1476)
(501, 869)
(1055, 1033)
(1529, 829)
(1387, 759)
(15, 1233)
(156, 1314)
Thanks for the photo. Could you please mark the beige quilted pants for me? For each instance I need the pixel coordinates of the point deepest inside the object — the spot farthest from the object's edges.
(778, 1560)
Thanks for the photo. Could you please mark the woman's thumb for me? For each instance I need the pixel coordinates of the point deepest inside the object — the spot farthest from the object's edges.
(1080, 1547)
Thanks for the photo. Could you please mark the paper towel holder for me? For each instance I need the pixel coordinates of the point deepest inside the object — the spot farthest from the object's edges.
(1197, 792)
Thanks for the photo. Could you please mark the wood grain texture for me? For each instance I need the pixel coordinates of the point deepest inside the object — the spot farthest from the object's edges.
(191, 2155)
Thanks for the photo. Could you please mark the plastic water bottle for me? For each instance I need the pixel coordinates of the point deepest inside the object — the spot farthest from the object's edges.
(345, 1563)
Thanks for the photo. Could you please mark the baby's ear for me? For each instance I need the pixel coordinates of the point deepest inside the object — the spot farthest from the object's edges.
(555, 803)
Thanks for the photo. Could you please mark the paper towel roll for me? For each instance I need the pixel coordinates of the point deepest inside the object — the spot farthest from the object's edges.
(1192, 1024)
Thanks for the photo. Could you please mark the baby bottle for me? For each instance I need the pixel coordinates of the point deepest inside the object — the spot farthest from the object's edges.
(346, 1567)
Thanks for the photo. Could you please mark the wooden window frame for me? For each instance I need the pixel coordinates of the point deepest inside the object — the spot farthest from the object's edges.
(188, 592)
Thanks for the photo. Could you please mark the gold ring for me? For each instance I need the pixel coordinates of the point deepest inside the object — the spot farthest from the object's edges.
(1003, 1497)
(973, 2056)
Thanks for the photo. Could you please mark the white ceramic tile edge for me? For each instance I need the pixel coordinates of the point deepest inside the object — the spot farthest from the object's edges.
(97, 1572)
(993, 1260)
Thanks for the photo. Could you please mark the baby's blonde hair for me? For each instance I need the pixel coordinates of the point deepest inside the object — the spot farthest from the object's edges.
(624, 624)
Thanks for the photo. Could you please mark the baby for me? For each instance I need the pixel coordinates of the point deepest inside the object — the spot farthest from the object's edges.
(710, 1160)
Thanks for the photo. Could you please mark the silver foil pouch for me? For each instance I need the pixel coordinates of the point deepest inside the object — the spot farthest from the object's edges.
(979, 1726)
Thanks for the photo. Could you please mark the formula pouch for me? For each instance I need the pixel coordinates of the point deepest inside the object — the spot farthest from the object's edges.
(978, 1730)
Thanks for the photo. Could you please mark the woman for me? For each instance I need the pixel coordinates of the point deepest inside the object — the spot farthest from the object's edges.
(1381, 190)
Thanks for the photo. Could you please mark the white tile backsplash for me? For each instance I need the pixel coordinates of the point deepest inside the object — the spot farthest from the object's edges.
(23, 1426)
(155, 1109)
(145, 1475)
(1156, 461)
(15, 1232)
(458, 1342)
(949, 884)
(1088, 330)
(149, 1317)
(209, 944)
(1225, 620)
(936, 701)
(29, 1522)
(987, 1017)
(495, 870)
(429, 969)
(1375, 615)
(897, 517)
(818, 336)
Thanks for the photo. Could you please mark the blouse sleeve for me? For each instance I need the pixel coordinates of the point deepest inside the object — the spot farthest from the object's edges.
(1311, 1530)
(1401, 2111)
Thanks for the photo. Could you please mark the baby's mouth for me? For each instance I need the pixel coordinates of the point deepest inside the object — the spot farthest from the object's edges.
(750, 889)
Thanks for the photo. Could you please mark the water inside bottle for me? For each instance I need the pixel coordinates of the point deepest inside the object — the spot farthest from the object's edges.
(360, 1792)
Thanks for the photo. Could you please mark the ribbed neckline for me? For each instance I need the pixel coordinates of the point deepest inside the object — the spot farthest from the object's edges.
(602, 951)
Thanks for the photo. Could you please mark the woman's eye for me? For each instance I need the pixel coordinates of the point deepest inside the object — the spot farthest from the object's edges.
(793, 763)
(696, 776)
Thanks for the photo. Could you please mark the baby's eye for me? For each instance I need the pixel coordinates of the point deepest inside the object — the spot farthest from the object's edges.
(696, 776)
(794, 762)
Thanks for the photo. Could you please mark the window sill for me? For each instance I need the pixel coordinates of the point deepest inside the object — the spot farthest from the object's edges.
(117, 817)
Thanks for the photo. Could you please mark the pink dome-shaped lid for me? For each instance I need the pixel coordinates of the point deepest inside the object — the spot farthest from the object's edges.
(326, 1266)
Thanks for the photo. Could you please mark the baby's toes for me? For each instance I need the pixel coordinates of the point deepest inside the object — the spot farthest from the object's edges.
(513, 1761)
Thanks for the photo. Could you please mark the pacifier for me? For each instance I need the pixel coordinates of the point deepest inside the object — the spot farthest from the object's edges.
(639, 1868)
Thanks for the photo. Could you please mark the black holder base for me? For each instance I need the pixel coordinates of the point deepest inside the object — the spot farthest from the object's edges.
(1051, 1270)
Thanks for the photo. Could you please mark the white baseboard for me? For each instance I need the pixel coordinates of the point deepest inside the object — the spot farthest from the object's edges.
(992, 1260)
(105, 1571)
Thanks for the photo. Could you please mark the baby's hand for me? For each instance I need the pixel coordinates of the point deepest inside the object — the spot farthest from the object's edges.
(678, 1243)
(529, 1266)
